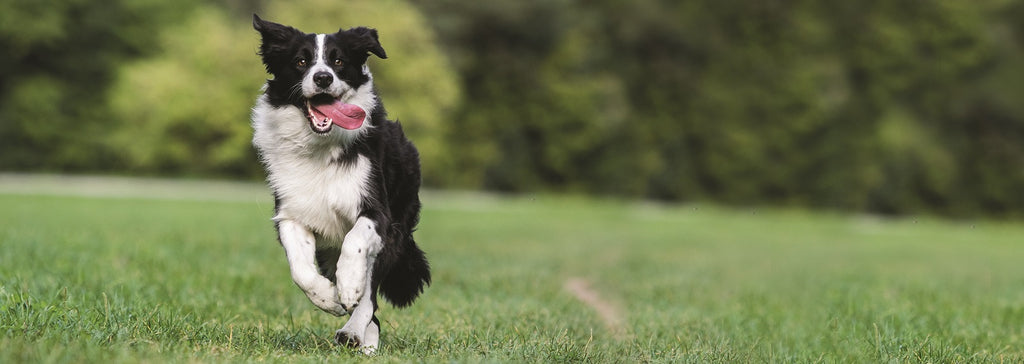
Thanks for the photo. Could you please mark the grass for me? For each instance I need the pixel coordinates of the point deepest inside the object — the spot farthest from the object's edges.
(88, 276)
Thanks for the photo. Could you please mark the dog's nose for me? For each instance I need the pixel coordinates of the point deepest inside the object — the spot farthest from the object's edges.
(323, 79)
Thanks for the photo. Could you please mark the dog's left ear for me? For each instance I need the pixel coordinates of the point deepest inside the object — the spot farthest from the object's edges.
(366, 40)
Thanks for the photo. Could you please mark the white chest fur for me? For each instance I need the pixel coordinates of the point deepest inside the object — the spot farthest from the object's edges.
(313, 189)
(324, 197)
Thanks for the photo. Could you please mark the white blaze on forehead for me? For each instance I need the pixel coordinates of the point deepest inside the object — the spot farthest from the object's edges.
(320, 64)
(320, 41)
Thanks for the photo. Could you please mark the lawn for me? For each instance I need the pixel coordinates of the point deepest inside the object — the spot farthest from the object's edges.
(93, 270)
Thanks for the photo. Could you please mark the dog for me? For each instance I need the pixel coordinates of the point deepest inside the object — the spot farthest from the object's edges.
(345, 179)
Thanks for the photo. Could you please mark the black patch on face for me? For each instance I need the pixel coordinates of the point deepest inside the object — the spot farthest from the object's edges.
(352, 47)
(288, 54)
(281, 49)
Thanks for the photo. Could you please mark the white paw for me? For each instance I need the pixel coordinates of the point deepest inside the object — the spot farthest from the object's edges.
(324, 297)
(351, 281)
(331, 307)
(369, 350)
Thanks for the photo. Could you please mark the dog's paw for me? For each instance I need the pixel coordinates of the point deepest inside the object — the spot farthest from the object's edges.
(351, 282)
(349, 294)
(353, 341)
(325, 297)
(332, 307)
(348, 339)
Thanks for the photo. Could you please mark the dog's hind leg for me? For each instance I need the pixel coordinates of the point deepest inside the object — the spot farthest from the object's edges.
(300, 248)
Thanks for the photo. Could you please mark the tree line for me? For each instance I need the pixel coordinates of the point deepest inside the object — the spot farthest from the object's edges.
(881, 106)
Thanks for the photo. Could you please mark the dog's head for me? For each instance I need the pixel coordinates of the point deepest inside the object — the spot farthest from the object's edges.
(325, 75)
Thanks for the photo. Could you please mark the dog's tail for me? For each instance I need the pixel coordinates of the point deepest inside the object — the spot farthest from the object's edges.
(409, 275)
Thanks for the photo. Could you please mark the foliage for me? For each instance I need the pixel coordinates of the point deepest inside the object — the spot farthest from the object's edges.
(881, 106)
(886, 106)
(58, 58)
(187, 113)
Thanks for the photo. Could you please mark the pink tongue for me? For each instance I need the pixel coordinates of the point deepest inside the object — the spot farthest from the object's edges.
(347, 116)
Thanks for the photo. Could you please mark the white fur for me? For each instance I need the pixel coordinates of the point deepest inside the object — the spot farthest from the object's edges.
(371, 338)
(300, 162)
(320, 63)
(299, 247)
(362, 96)
(360, 326)
(355, 265)
(313, 189)
(319, 200)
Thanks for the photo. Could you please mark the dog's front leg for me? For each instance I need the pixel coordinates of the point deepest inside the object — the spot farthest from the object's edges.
(362, 329)
(355, 285)
(358, 253)
(300, 248)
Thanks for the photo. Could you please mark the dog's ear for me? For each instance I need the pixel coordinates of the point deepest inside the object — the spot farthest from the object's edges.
(275, 36)
(366, 41)
(272, 31)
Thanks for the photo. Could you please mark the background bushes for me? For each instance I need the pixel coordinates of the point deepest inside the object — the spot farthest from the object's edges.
(881, 106)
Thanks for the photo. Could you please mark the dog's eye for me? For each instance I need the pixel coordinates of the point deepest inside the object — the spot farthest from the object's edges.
(337, 62)
(301, 62)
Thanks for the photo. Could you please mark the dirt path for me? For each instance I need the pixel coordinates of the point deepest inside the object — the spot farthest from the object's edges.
(611, 314)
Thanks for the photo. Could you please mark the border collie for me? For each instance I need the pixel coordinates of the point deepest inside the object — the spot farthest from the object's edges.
(345, 179)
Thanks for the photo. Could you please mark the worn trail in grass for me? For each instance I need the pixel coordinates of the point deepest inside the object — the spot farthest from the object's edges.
(95, 279)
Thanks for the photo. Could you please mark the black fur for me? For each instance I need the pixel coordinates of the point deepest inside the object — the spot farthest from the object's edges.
(282, 45)
(401, 271)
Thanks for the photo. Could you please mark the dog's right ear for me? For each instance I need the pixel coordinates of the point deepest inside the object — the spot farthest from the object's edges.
(257, 23)
(276, 38)
(273, 32)
(275, 42)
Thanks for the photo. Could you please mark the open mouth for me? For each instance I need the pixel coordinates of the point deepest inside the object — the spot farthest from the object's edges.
(323, 111)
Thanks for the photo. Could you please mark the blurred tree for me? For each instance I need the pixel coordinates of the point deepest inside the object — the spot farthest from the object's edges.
(185, 110)
(888, 106)
(892, 106)
(497, 47)
(914, 65)
(58, 58)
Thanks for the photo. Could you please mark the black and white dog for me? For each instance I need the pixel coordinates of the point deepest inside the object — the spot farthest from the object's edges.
(345, 179)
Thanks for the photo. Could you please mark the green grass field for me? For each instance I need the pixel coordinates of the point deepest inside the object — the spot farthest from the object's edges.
(196, 275)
